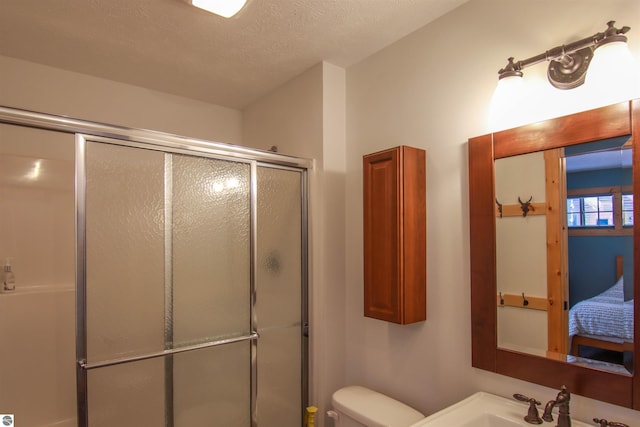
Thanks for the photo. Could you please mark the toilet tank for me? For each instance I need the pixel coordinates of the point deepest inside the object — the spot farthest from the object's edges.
(356, 406)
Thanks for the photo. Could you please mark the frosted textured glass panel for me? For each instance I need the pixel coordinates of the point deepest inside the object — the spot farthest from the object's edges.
(278, 271)
(279, 378)
(279, 297)
(212, 387)
(211, 249)
(127, 395)
(125, 251)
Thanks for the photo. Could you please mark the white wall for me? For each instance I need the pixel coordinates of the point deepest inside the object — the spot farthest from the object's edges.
(432, 90)
(36, 87)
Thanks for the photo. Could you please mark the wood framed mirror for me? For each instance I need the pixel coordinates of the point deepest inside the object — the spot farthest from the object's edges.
(552, 369)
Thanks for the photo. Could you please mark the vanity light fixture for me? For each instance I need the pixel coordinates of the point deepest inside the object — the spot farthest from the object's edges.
(225, 8)
(568, 63)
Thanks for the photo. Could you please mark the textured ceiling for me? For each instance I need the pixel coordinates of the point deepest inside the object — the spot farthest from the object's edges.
(170, 46)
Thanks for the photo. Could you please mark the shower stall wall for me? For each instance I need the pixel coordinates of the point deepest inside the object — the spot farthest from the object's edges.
(191, 277)
(37, 351)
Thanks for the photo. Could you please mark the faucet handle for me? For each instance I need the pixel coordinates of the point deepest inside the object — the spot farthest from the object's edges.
(605, 423)
(532, 416)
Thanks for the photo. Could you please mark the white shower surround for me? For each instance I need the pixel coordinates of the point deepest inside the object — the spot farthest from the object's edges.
(38, 335)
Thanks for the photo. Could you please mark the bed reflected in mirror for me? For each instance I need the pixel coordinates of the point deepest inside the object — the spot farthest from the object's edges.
(564, 254)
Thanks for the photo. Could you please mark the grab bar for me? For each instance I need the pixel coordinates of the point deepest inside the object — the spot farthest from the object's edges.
(86, 366)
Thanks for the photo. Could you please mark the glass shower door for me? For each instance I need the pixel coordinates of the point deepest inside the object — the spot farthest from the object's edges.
(280, 272)
(168, 289)
(211, 286)
(124, 285)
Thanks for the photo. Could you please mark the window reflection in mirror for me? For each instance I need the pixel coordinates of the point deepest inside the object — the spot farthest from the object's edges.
(564, 254)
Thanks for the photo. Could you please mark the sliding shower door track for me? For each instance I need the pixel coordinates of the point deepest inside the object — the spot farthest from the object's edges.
(112, 362)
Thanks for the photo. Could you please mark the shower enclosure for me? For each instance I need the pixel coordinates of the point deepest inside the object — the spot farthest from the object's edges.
(188, 262)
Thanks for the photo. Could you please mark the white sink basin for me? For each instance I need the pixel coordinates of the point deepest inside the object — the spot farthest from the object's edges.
(490, 420)
(486, 410)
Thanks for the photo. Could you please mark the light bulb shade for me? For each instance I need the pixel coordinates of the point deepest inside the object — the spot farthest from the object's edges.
(226, 8)
(510, 83)
(505, 111)
(613, 72)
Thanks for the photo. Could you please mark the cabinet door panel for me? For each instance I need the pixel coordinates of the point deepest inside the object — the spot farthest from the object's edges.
(381, 237)
(395, 235)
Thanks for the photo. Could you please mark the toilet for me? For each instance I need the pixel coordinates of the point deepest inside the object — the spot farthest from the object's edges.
(356, 406)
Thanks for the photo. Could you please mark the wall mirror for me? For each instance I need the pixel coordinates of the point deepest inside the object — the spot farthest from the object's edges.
(551, 235)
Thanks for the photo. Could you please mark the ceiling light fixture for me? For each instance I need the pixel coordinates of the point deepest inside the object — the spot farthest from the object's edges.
(226, 8)
(568, 63)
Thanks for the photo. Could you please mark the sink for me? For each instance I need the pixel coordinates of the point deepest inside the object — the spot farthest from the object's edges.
(486, 410)
(490, 420)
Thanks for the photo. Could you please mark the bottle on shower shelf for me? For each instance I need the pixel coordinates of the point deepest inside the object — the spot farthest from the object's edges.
(9, 279)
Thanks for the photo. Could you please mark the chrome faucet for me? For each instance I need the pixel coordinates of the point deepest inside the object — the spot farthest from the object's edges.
(562, 402)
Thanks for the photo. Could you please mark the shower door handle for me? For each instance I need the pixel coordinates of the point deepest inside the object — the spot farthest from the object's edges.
(86, 366)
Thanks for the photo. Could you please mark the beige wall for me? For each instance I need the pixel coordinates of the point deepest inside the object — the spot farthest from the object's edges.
(36, 87)
(433, 90)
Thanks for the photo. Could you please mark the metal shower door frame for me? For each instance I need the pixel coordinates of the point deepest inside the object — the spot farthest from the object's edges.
(81, 345)
(103, 133)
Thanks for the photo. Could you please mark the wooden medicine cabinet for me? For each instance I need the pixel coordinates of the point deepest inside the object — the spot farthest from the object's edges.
(395, 234)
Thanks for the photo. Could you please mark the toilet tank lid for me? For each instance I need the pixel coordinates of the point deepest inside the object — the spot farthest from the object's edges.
(373, 409)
